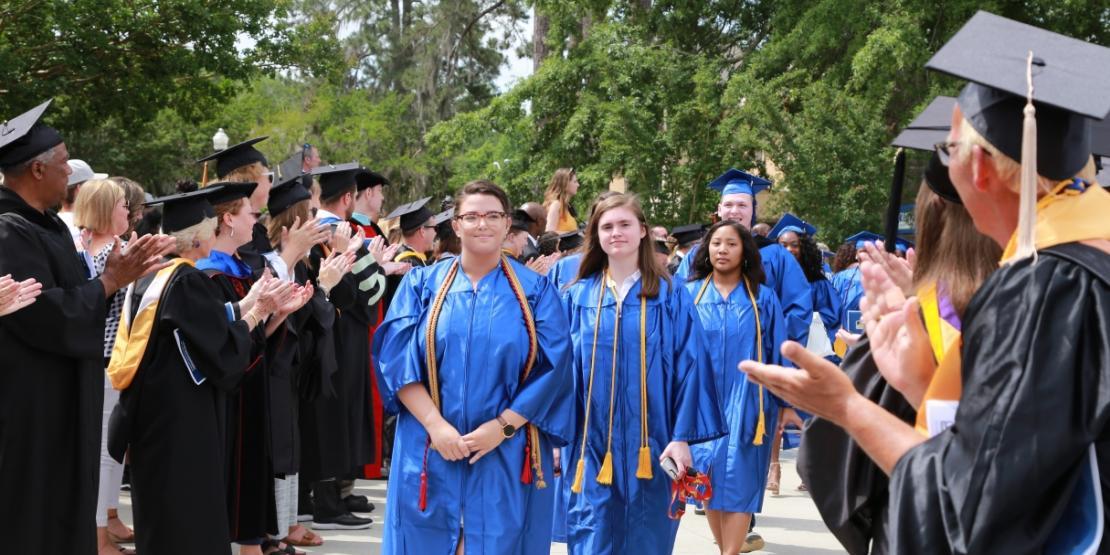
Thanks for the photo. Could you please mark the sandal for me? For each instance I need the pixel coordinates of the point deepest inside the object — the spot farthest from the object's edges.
(773, 477)
(308, 539)
(274, 547)
(129, 538)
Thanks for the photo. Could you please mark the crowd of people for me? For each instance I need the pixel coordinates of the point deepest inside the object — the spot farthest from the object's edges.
(247, 347)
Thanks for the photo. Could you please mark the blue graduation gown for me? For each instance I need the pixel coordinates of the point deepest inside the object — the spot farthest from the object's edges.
(481, 348)
(736, 467)
(561, 274)
(564, 270)
(848, 285)
(630, 516)
(826, 303)
(786, 278)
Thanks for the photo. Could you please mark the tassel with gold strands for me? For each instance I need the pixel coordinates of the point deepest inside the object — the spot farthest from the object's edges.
(532, 443)
(605, 473)
(1027, 209)
(204, 176)
(761, 423)
(643, 469)
(580, 468)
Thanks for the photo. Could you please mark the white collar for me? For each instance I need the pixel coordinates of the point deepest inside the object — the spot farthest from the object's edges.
(625, 285)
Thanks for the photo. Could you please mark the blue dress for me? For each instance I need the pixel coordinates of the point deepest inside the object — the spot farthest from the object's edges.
(786, 278)
(564, 270)
(481, 348)
(848, 285)
(630, 515)
(737, 468)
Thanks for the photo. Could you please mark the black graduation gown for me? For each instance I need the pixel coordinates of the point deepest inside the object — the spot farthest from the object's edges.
(253, 253)
(1036, 396)
(342, 432)
(51, 388)
(251, 506)
(177, 429)
(850, 491)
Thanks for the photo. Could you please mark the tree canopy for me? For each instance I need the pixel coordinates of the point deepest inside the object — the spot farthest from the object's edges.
(664, 94)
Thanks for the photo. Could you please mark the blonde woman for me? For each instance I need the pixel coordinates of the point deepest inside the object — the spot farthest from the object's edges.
(557, 200)
(102, 213)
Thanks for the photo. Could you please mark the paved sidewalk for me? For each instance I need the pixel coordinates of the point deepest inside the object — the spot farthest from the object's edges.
(789, 523)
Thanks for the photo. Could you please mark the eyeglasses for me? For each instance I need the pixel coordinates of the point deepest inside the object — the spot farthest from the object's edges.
(472, 218)
(944, 149)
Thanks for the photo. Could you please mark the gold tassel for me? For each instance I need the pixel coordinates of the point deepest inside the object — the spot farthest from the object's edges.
(761, 424)
(579, 472)
(643, 471)
(605, 475)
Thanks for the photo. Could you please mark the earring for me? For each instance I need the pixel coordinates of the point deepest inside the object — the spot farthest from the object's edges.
(196, 244)
(232, 235)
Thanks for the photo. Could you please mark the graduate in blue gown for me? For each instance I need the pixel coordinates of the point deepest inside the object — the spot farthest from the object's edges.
(643, 384)
(741, 320)
(784, 276)
(796, 236)
(481, 408)
(849, 286)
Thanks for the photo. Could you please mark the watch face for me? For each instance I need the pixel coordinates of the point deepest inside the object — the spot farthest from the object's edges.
(508, 430)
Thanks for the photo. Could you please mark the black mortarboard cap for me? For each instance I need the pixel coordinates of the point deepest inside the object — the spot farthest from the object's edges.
(929, 127)
(236, 156)
(521, 220)
(570, 240)
(412, 215)
(290, 167)
(337, 178)
(24, 137)
(230, 191)
(661, 246)
(442, 222)
(369, 178)
(1100, 138)
(686, 234)
(185, 210)
(288, 191)
(1069, 88)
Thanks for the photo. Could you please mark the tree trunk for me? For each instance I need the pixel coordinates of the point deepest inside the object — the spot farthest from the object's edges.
(540, 24)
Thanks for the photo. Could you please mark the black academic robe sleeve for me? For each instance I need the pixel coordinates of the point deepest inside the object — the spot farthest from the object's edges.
(849, 490)
(1036, 396)
(220, 349)
(73, 313)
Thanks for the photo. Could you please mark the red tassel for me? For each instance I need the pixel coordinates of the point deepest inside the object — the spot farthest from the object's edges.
(423, 490)
(526, 472)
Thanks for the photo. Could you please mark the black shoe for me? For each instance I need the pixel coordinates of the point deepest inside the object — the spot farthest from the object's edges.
(358, 504)
(341, 522)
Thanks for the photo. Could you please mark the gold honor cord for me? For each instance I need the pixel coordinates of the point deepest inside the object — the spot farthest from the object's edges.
(761, 424)
(605, 473)
(533, 460)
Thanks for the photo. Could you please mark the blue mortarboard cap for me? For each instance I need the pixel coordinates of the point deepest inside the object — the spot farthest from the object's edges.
(735, 181)
(790, 222)
(863, 237)
(902, 244)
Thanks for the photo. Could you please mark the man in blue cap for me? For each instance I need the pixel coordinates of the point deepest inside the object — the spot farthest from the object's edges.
(784, 275)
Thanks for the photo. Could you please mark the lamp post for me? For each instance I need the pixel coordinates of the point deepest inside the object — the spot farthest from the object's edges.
(219, 140)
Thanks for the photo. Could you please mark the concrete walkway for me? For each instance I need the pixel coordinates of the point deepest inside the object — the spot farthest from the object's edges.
(789, 524)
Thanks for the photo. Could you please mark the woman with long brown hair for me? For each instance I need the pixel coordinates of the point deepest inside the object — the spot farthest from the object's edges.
(560, 212)
(647, 389)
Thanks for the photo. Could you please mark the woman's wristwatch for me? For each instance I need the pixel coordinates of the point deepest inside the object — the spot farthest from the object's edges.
(508, 430)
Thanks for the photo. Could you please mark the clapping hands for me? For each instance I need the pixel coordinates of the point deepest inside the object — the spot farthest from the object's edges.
(17, 295)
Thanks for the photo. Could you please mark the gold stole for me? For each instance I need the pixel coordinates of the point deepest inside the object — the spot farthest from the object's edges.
(132, 337)
(761, 423)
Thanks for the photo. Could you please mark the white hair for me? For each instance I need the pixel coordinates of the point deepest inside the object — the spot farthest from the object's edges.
(202, 231)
